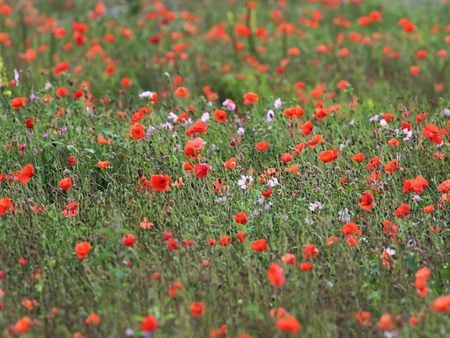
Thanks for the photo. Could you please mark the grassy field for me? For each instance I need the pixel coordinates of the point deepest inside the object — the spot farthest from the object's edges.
(224, 168)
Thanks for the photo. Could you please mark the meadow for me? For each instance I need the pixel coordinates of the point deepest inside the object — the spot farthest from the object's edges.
(270, 168)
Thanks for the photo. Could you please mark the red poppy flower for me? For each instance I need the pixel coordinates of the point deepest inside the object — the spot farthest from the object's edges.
(391, 166)
(197, 309)
(306, 266)
(386, 322)
(373, 163)
(160, 183)
(220, 115)
(242, 30)
(103, 164)
(310, 251)
(262, 146)
(416, 185)
(71, 209)
(193, 147)
(126, 82)
(172, 244)
(367, 202)
(433, 133)
(288, 324)
(402, 211)
(250, 98)
(19, 102)
(6, 205)
(224, 241)
(288, 258)
(444, 186)
(422, 275)
(294, 112)
(25, 175)
(307, 128)
(60, 68)
(202, 170)
(21, 326)
(259, 245)
(61, 91)
(349, 228)
(149, 324)
(286, 158)
(241, 217)
(441, 304)
(358, 157)
(198, 127)
(137, 131)
(129, 240)
(328, 155)
(181, 92)
(241, 236)
(65, 183)
(82, 250)
(92, 319)
(275, 274)
(363, 318)
(314, 141)
(29, 123)
(72, 160)
(231, 163)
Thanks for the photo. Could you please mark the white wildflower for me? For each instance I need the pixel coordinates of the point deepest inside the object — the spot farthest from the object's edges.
(344, 216)
(273, 182)
(374, 118)
(315, 206)
(205, 116)
(390, 251)
(245, 181)
(172, 117)
(416, 198)
(167, 125)
(277, 103)
(16, 76)
(408, 134)
(145, 94)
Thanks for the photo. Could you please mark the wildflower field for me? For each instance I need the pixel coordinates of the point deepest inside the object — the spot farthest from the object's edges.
(224, 168)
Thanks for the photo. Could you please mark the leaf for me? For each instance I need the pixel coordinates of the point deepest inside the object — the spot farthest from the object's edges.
(72, 148)
(447, 272)
(104, 256)
(89, 150)
(411, 262)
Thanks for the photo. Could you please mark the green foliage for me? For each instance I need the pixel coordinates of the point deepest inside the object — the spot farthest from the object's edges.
(123, 283)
